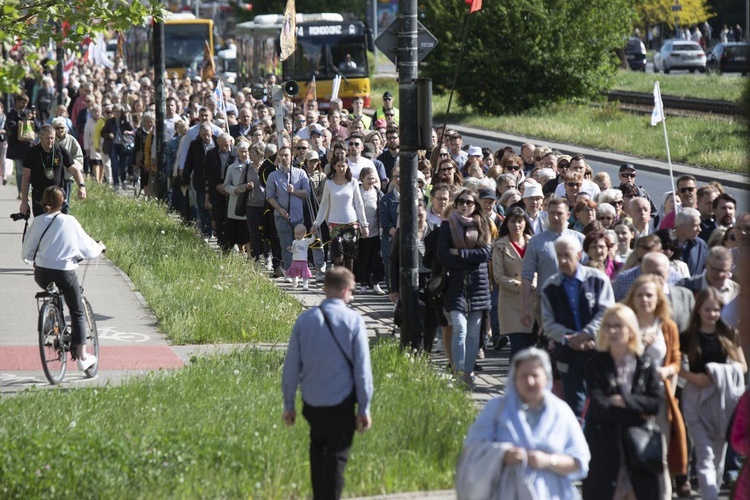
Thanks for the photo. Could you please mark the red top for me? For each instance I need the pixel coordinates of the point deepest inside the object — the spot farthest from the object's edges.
(521, 250)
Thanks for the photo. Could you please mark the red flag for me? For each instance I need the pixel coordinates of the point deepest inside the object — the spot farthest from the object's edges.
(475, 5)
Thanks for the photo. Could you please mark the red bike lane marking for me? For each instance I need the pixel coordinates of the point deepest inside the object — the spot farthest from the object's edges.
(26, 358)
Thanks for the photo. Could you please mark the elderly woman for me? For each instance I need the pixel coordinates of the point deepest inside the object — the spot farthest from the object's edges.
(614, 198)
(525, 444)
(235, 183)
(508, 199)
(598, 247)
(606, 214)
(513, 164)
(624, 390)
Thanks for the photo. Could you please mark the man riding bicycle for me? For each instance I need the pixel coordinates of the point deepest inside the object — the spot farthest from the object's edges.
(55, 243)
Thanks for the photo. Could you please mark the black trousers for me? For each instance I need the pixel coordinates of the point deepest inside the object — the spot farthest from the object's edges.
(331, 435)
(369, 265)
(67, 282)
(254, 217)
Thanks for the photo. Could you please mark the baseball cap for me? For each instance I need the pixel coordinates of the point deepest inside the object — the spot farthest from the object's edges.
(312, 155)
(627, 167)
(315, 129)
(387, 95)
(532, 191)
(475, 151)
(487, 194)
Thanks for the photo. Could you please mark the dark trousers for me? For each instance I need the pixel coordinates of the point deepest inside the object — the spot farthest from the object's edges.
(369, 264)
(67, 282)
(271, 241)
(204, 216)
(255, 229)
(571, 364)
(331, 436)
(219, 218)
(120, 158)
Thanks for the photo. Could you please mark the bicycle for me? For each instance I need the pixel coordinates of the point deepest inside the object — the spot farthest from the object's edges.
(55, 338)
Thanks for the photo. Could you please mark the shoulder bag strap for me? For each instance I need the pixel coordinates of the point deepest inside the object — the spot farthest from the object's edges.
(330, 330)
(42, 236)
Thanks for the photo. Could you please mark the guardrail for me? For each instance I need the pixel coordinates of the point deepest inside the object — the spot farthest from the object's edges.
(675, 102)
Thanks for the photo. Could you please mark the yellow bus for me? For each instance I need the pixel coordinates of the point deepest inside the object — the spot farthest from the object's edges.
(327, 46)
(185, 37)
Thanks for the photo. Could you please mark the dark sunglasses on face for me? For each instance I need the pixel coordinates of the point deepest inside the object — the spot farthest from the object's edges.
(628, 176)
(687, 190)
(617, 202)
(563, 165)
(464, 202)
(574, 184)
(513, 168)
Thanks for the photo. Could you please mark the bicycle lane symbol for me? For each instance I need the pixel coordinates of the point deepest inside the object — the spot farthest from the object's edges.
(109, 333)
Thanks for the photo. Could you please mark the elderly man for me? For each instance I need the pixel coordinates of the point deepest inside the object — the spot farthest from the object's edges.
(540, 258)
(573, 303)
(643, 246)
(681, 299)
(533, 201)
(67, 141)
(329, 359)
(718, 274)
(694, 249)
(244, 124)
(217, 161)
(527, 155)
(640, 213)
(194, 174)
(43, 166)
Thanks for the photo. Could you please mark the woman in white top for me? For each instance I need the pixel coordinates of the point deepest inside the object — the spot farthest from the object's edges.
(55, 243)
(91, 146)
(369, 262)
(342, 208)
(235, 183)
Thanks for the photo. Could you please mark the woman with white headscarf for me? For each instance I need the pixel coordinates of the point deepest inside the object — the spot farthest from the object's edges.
(527, 443)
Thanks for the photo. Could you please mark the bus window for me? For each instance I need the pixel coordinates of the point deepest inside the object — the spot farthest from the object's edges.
(184, 43)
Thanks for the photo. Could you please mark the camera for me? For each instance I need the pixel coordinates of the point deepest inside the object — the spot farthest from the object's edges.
(19, 216)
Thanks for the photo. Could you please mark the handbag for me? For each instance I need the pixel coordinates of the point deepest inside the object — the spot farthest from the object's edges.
(643, 448)
(26, 130)
(437, 285)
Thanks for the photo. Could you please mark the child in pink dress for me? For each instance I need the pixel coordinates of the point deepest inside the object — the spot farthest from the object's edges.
(299, 268)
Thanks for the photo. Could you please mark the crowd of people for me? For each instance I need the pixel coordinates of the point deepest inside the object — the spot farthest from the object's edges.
(627, 298)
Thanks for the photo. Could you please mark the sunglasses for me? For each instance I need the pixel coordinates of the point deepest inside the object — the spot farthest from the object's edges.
(464, 202)
(355, 144)
(574, 184)
(620, 202)
(628, 176)
(563, 165)
(302, 148)
(389, 114)
(513, 168)
(687, 190)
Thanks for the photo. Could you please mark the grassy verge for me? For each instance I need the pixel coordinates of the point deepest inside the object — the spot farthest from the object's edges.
(197, 295)
(699, 86)
(214, 430)
(716, 143)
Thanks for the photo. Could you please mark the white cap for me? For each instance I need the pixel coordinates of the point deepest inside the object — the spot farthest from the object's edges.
(533, 190)
(475, 151)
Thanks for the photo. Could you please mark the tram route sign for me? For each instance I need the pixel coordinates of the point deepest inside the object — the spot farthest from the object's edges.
(387, 41)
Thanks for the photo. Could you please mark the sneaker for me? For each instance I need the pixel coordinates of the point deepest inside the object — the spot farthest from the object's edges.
(683, 490)
(377, 290)
(319, 277)
(468, 381)
(305, 287)
(480, 354)
(500, 342)
(269, 263)
(85, 364)
(288, 279)
(439, 346)
(278, 272)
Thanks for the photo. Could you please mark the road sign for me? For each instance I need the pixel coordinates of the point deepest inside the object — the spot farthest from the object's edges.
(387, 41)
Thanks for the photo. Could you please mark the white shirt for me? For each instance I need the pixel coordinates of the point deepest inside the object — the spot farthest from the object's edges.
(341, 204)
(62, 246)
(587, 187)
(299, 248)
(361, 163)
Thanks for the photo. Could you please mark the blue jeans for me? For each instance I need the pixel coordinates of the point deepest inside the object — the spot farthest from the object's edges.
(285, 230)
(119, 157)
(519, 342)
(465, 340)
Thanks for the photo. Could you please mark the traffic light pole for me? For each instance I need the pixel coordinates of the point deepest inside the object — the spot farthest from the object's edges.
(162, 169)
(409, 139)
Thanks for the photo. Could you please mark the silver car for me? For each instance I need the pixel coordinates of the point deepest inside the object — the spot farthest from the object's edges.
(680, 54)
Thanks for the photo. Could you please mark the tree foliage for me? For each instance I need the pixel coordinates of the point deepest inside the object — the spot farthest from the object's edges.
(34, 24)
(525, 53)
(660, 12)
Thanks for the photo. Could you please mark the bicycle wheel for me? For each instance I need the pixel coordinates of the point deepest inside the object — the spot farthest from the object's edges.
(51, 347)
(92, 338)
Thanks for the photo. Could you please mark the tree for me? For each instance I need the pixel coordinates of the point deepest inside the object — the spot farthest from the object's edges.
(526, 53)
(34, 24)
(652, 12)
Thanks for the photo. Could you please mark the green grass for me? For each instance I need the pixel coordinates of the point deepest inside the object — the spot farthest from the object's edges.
(715, 143)
(698, 86)
(197, 295)
(214, 430)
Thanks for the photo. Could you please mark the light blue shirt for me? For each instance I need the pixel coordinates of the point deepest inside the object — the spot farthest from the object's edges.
(276, 187)
(315, 364)
(541, 257)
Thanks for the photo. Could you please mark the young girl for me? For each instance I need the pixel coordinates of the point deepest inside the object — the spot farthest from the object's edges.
(369, 261)
(709, 341)
(299, 268)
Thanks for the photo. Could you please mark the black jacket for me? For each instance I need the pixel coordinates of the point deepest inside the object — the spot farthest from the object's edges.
(215, 175)
(195, 161)
(469, 282)
(604, 424)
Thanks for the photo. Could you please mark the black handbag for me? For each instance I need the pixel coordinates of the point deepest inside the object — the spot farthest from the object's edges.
(643, 448)
(437, 285)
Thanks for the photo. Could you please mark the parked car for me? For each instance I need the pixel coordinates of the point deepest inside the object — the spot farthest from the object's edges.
(635, 53)
(731, 57)
(680, 54)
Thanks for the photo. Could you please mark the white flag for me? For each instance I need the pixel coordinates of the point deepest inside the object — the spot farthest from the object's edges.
(657, 115)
